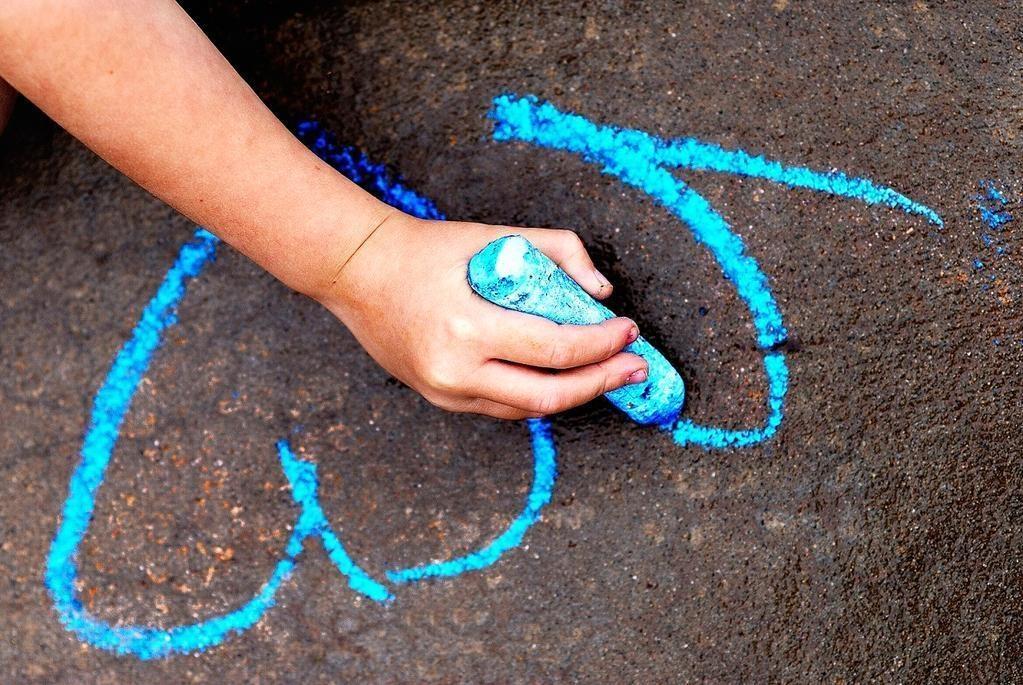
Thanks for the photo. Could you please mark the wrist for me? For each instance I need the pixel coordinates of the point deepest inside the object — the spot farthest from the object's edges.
(333, 245)
(384, 260)
(314, 231)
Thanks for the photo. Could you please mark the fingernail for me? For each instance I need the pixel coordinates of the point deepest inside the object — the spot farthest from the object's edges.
(636, 377)
(633, 334)
(605, 285)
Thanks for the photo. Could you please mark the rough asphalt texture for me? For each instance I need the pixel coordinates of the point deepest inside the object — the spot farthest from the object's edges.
(877, 538)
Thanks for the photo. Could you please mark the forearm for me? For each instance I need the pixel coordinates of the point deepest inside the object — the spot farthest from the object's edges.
(139, 83)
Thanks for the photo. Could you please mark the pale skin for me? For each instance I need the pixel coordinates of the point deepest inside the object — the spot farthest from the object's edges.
(140, 84)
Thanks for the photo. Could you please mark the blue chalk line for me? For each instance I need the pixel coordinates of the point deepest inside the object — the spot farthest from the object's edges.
(635, 157)
(544, 473)
(642, 160)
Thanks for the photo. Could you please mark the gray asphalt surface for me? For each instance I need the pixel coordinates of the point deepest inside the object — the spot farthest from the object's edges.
(876, 538)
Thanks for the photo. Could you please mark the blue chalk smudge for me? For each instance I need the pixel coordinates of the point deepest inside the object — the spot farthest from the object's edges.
(991, 205)
(994, 219)
(544, 474)
(512, 273)
(992, 192)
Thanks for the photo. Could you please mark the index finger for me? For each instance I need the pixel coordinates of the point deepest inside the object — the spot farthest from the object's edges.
(535, 341)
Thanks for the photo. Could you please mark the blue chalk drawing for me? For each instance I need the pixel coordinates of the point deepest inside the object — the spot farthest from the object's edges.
(643, 161)
(636, 158)
(108, 411)
(111, 405)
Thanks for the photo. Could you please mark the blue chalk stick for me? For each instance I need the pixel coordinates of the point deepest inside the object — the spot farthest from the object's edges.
(511, 273)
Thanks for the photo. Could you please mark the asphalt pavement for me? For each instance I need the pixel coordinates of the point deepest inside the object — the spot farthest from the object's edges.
(872, 533)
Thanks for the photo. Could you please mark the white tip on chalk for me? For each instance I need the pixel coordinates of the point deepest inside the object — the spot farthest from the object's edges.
(511, 259)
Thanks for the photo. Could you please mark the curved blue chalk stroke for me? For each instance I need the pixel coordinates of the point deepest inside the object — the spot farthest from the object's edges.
(687, 432)
(302, 477)
(630, 155)
(640, 160)
(111, 405)
(368, 174)
(544, 474)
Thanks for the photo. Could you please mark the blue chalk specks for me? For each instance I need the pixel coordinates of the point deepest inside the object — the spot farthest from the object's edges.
(995, 216)
(511, 273)
(992, 205)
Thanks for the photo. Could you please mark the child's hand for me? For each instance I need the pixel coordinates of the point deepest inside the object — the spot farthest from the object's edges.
(140, 84)
(405, 296)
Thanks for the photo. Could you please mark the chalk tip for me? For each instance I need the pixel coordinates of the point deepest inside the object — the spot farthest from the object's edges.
(499, 266)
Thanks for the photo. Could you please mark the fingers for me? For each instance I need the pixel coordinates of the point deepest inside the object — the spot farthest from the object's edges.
(498, 411)
(540, 393)
(535, 341)
(568, 251)
(480, 406)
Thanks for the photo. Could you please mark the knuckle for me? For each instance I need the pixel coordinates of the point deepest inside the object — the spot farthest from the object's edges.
(441, 378)
(559, 355)
(459, 328)
(571, 240)
(547, 403)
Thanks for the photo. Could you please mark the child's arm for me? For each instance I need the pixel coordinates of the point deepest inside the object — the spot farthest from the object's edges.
(139, 83)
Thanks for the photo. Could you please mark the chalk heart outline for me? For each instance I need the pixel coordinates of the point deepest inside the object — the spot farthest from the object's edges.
(637, 159)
